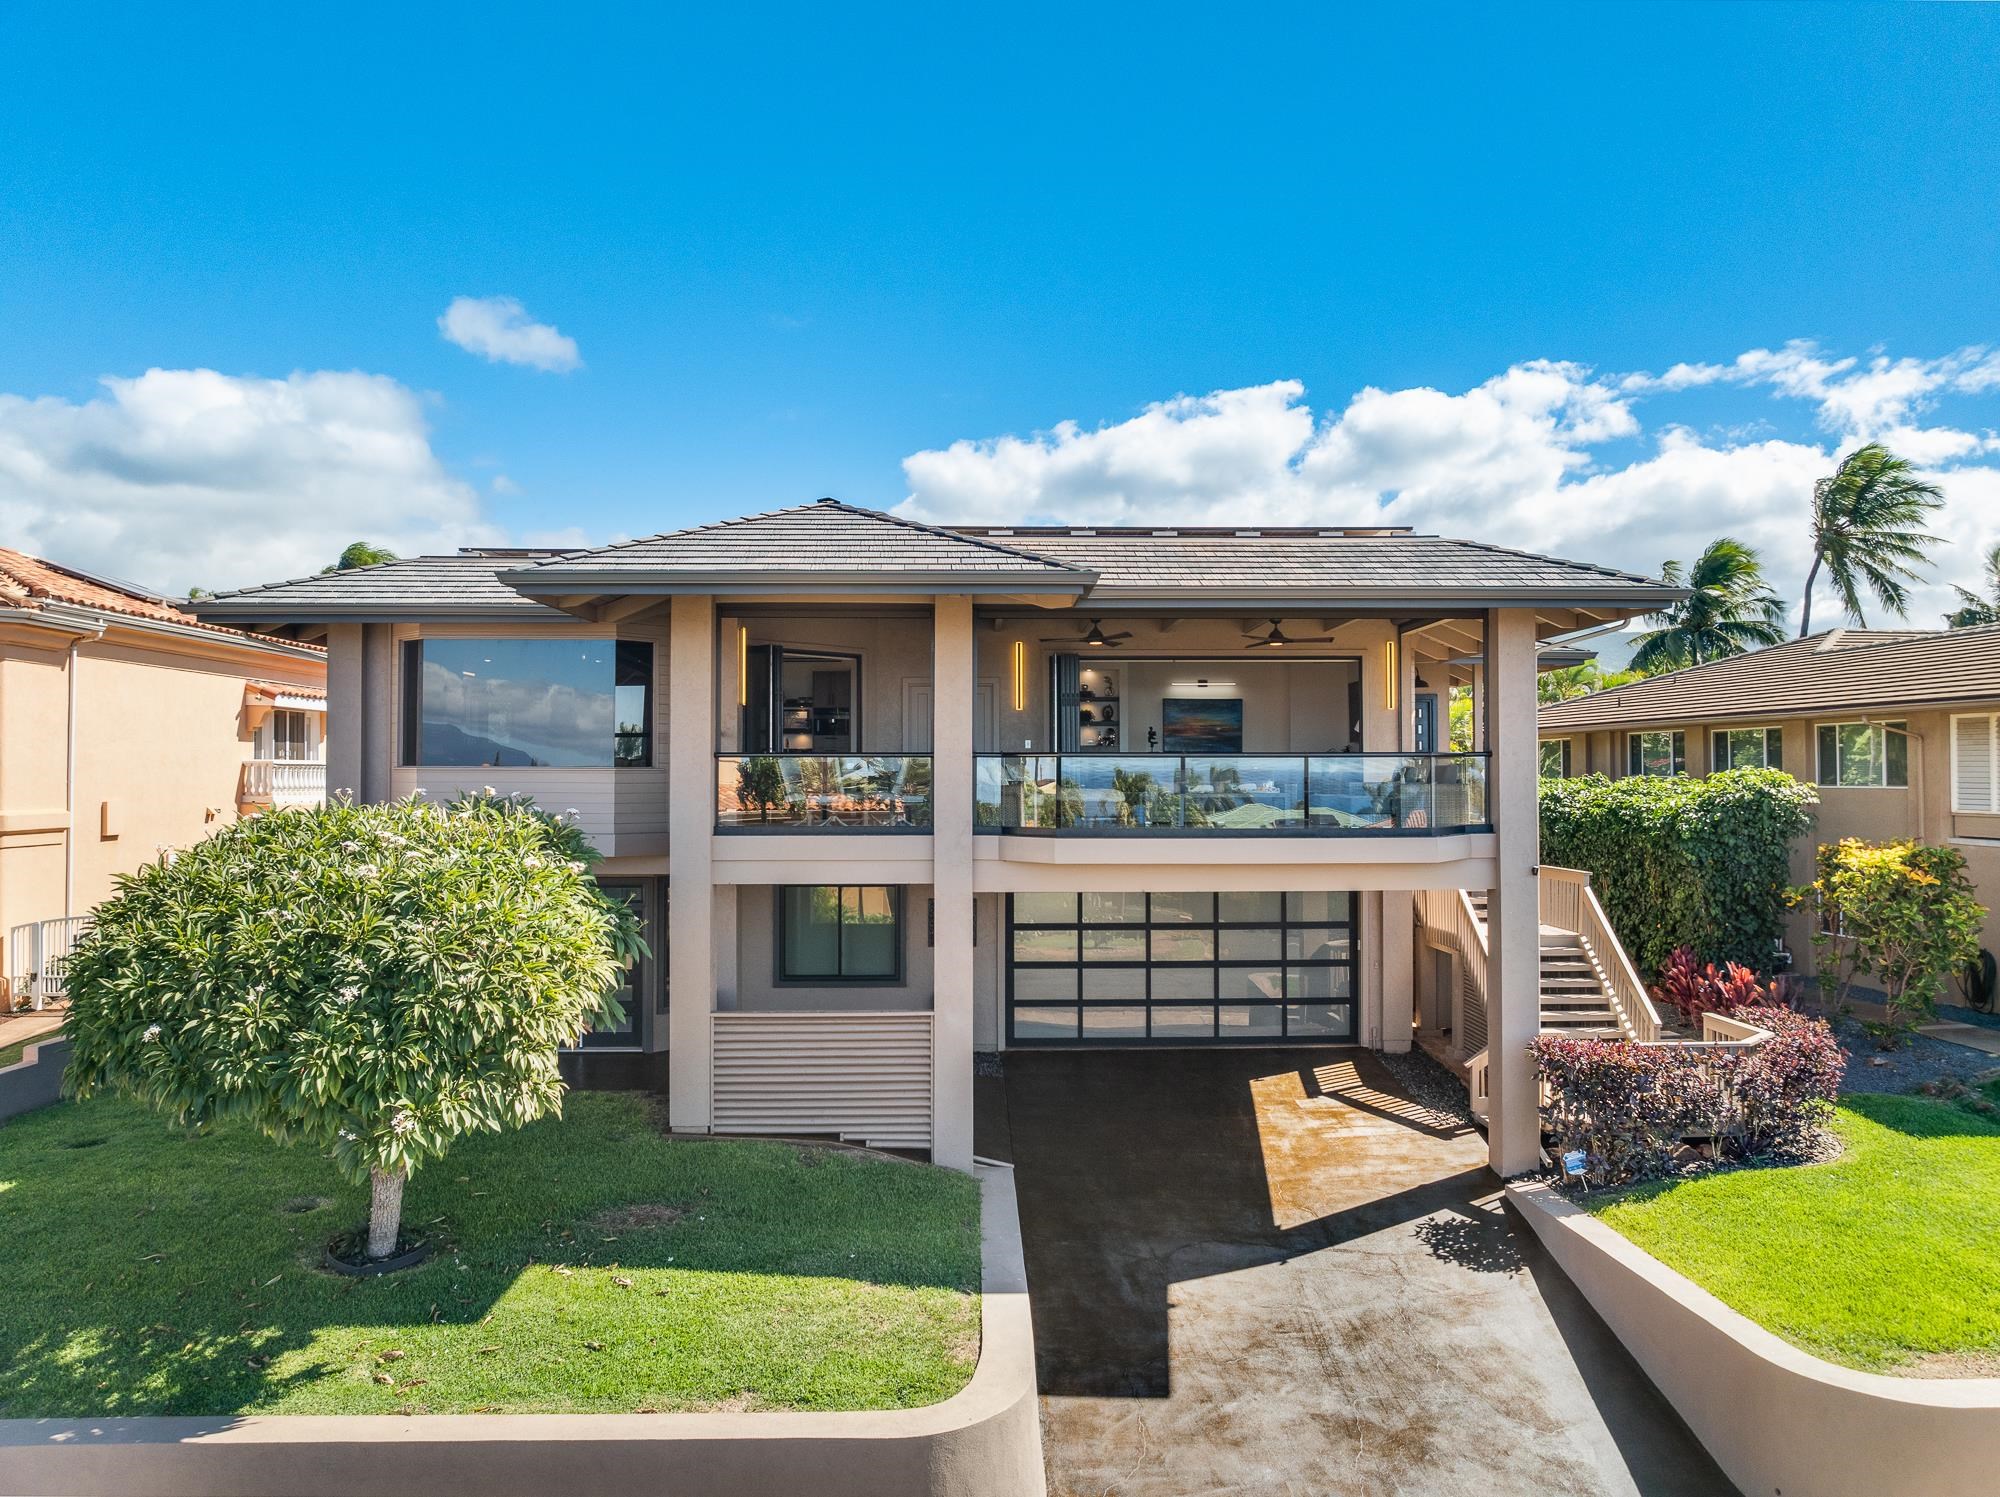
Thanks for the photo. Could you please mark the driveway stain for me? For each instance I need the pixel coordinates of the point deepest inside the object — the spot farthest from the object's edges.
(1271, 1272)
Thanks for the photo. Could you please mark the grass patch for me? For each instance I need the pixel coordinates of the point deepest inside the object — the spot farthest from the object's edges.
(588, 1264)
(1880, 1260)
(10, 1054)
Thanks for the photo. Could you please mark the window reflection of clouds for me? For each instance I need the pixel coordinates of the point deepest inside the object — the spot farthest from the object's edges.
(518, 701)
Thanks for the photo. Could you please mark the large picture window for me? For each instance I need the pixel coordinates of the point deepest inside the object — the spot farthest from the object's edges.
(840, 933)
(1748, 748)
(559, 703)
(1181, 968)
(1864, 755)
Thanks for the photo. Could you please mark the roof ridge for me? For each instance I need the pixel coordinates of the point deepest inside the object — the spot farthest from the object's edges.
(737, 521)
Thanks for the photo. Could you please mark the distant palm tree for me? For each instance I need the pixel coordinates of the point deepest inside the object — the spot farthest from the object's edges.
(1729, 609)
(1978, 610)
(1867, 530)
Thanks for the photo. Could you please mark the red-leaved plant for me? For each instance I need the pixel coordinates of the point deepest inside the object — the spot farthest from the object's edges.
(1695, 987)
(1630, 1108)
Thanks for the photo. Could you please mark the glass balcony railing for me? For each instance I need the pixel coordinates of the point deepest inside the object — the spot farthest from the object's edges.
(1231, 794)
(823, 792)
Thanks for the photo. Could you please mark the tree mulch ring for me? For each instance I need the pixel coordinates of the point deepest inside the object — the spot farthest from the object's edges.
(347, 1254)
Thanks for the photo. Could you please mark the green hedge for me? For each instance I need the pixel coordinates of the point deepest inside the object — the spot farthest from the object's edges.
(1703, 863)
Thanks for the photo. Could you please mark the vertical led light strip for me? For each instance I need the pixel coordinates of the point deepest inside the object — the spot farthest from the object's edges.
(742, 665)
(1020, 675)
(1391, 676)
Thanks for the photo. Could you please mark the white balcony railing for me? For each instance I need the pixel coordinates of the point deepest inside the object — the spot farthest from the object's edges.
(284, 782)
(38, 959)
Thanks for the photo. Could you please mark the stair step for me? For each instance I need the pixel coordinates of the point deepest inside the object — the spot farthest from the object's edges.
(1571, 985)
(1605, 1033)
(1571, 1016)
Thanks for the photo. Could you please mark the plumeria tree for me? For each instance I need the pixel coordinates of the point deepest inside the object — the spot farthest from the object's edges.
(374, 980)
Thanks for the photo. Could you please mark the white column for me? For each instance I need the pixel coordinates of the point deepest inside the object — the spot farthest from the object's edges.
(1479, 708)
(690, 859)
(1513, 930)
(952, 691)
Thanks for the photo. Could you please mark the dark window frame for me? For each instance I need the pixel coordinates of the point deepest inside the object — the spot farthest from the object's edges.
(627, 669)
(1721, 757)
(1635, 759)
(1891, 730)
(781, 977)
(1214, 926)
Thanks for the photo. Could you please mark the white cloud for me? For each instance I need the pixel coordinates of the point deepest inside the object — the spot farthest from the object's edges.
(499, 328)
(187, 476)
(1514, 460)
(504, 486)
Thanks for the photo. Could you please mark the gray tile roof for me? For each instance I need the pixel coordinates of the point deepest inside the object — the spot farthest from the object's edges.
(466, 585)
(827, 540)
(1841, 670)
(1324, 563)
(829, 545)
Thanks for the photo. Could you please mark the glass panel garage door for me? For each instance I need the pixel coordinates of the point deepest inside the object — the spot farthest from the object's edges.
(1262, 968)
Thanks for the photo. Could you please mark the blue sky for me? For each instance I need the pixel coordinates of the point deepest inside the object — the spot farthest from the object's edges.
(796, 251)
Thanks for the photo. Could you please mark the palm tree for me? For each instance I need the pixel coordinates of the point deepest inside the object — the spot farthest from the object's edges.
(1729, 609)
(1867, 530)
(1977, 610)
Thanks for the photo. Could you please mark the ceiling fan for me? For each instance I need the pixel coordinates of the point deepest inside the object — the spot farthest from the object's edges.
(1278, 639)
(1095, 636)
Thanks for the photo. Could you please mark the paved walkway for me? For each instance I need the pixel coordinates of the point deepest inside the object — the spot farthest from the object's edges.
(1265, 1271)
(1953, 1031)
(28, 1025)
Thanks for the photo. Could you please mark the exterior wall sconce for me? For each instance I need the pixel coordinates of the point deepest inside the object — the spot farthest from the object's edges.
(742, 665)
(1391, 676)
(1020, 664)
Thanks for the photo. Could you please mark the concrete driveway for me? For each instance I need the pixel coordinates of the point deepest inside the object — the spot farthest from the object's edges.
(1268, 1271)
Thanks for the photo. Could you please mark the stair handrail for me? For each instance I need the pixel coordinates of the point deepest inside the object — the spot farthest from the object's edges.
(1569, 902)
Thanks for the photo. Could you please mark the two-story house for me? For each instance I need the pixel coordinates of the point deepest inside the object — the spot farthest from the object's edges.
(1898, 728)
(129, 726)
(890, 794)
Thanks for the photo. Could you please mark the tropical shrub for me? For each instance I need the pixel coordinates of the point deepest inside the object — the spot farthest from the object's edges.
(1695, 987)
(1782, 1091)
(1629, 1108)
(1901, 913)
(1702, 863)
(376, 981)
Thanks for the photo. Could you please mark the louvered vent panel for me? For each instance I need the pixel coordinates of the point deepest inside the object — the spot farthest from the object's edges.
(863, 1077)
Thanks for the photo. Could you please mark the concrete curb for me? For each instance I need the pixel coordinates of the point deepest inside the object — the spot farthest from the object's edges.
(985, 1441)
(35, 1080)
(1775, 1418)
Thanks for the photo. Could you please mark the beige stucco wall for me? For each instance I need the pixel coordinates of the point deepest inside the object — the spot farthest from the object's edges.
(756, 989)
(161, 738)
(1922, 810)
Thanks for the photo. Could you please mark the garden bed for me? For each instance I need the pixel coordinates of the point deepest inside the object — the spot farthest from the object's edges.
(583, 1265)
(1880, 1260)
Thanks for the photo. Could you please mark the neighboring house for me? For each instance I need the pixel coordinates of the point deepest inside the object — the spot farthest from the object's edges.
(889, 793)
(128, 726)
(1898, 729)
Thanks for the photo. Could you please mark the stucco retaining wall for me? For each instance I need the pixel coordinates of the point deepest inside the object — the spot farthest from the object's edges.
(35, 1080)
(1776, 1419)
(984, 1442)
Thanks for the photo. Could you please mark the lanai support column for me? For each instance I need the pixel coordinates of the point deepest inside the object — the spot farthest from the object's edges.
(690, 860)
(1513, 930)
(952, 696)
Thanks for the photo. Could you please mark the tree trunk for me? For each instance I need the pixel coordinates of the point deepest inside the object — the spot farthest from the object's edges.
(385, 1211)
(1805, 614)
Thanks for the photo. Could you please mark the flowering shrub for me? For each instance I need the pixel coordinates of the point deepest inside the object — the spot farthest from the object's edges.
(1900, 912)
(1629, 1108)
(377, 981)
(1697, 988)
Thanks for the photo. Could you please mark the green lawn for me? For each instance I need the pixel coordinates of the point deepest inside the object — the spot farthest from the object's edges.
(11, 1053)
(589, 1264)
(1878, 1260)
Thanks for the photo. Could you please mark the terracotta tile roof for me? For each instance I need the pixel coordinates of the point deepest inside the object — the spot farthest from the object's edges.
(1841, 670)
(30, 582)
(284, 689)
